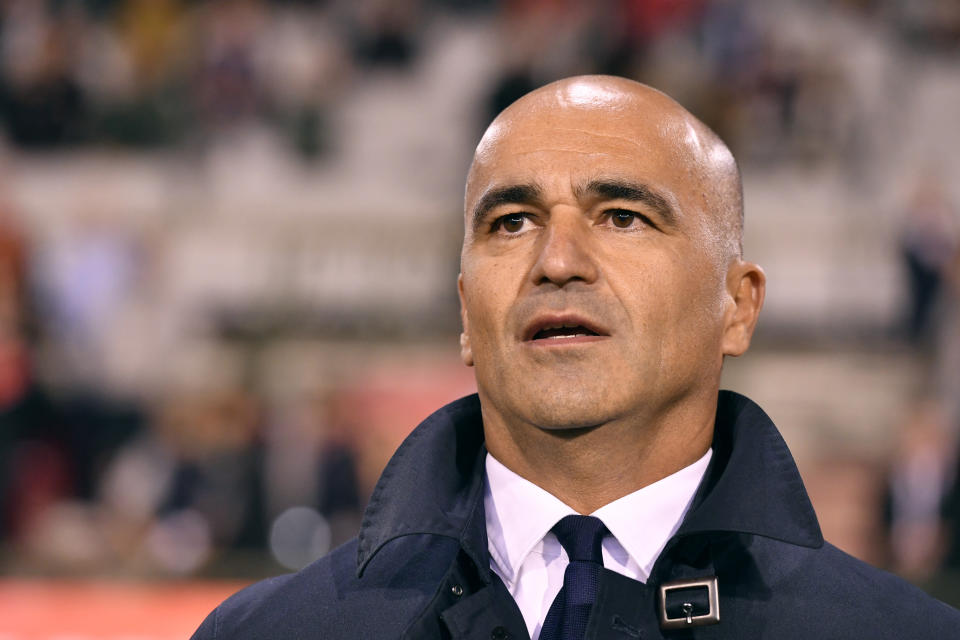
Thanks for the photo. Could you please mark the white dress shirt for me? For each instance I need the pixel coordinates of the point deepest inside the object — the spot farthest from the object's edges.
(528, 557)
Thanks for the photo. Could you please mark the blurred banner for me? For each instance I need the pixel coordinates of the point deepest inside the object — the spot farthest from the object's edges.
(88, 610)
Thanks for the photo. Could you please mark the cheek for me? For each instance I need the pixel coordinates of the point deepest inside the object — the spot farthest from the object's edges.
(486, 305)
(698, 311)
(676, 303)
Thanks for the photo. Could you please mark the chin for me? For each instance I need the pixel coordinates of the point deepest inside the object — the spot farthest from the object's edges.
(576, 408)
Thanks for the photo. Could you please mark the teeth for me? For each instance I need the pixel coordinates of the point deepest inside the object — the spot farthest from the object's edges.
(563, 331)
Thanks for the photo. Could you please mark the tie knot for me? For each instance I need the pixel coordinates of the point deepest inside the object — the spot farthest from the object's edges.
(581, 537)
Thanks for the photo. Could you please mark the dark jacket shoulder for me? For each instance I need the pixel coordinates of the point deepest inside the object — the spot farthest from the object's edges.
(826, 593)
(328, 595)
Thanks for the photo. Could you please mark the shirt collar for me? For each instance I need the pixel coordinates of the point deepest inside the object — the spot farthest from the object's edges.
(643, 521)
(519, 514)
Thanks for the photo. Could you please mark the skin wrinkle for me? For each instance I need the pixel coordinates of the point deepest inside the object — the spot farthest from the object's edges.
(610, 188)
(667, 132)
(496, 196)
(593, 422)
(594, 134)
(583, 153)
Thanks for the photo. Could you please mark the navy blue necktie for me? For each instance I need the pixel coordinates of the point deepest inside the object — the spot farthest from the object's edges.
(580, 537)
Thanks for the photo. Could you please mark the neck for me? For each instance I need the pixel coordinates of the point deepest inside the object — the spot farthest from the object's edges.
(590, 467)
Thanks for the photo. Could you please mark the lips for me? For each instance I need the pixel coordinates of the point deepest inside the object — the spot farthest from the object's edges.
(562, 327)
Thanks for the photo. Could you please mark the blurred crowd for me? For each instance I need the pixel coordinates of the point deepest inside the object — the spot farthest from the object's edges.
(149, 73)
(169, 478)
(922, 501)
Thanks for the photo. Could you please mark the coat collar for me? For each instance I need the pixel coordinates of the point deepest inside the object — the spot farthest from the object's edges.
(752, 485)
(433, 484)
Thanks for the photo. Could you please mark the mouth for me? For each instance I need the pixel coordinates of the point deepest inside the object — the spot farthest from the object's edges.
(563, 329)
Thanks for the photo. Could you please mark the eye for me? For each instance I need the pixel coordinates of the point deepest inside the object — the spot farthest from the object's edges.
(511, 223)
(624, 219)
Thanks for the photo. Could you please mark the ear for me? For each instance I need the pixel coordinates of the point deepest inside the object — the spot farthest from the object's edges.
(466, 352)
(746, 286)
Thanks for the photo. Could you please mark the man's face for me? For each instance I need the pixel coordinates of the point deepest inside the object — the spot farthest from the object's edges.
(592, 279)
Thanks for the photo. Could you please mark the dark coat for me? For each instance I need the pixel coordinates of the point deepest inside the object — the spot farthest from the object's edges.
(420, 567)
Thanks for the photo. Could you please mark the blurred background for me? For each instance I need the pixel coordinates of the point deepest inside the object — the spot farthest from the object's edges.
(229, 239)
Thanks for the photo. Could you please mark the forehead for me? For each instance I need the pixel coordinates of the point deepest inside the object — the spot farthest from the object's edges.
(554, 140)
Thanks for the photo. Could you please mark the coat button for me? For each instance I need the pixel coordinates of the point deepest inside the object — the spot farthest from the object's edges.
(499, 633)
(456, 590)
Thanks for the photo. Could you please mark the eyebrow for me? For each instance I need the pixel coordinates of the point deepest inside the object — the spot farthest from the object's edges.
(510, 194)
(608, 189)
(626, 190)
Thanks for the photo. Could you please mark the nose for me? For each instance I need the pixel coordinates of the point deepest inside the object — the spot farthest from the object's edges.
(564, 252)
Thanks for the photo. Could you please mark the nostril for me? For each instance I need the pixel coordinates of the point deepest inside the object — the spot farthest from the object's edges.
(560, 281)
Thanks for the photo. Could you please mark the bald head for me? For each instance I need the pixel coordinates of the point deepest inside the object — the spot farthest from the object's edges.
(596, 116)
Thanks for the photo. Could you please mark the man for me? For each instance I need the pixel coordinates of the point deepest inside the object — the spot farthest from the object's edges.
(601, 287)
